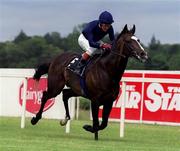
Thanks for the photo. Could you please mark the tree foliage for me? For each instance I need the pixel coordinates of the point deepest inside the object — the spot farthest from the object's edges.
(28, 52)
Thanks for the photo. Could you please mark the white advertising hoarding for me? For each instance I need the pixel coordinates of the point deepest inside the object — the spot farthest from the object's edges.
(11, 86)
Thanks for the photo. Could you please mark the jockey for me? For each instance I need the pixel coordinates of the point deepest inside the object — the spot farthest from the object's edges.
(89, 40)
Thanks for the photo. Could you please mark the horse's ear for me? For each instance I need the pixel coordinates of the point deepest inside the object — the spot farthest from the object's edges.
(133, 29)
(125, 29)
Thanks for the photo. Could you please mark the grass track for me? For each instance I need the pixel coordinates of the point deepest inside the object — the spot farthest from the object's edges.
(47, 135)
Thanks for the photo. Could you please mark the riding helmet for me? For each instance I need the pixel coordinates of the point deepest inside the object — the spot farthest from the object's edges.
(105, 18)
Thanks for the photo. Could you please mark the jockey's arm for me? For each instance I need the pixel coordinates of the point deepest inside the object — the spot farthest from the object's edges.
(92, 43)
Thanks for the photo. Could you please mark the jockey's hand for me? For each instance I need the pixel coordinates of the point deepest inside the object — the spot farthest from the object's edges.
(105, 46)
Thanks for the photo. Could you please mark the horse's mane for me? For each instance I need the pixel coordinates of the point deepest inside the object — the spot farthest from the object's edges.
(102, 54)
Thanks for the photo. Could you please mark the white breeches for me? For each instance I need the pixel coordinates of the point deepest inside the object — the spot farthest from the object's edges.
(84, 44)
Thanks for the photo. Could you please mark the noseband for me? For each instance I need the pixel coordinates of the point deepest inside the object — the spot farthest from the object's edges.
(113, 51)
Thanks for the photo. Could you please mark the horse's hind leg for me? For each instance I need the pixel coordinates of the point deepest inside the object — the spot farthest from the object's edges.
(55, 86)
(67, 93)
(44, 99)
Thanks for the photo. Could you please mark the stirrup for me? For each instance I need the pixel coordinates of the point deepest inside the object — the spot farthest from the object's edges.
(79, 70)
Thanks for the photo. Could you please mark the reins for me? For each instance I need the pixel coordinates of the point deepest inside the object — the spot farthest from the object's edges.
(113, 51)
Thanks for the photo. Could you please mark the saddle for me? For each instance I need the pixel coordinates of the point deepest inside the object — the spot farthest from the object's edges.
(75, 67)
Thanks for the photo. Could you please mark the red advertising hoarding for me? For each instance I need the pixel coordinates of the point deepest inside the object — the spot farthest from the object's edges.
(150, 101)
(162, 100)
(34, 96)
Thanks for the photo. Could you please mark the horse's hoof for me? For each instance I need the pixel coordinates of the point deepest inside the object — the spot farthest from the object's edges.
(89, 128)
(63, 122)
(34, 121)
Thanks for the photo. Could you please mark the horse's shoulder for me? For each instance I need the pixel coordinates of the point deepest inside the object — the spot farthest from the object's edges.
(96, 60)
(101, 55)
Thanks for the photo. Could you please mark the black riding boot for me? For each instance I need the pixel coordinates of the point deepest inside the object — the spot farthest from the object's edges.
(80, 66)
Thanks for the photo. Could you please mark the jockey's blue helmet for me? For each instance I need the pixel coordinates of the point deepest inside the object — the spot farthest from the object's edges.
(105, 18)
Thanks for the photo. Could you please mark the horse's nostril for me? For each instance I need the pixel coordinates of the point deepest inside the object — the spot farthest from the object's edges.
(143, 54)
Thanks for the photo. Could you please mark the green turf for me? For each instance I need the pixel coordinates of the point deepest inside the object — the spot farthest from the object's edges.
(47, 135)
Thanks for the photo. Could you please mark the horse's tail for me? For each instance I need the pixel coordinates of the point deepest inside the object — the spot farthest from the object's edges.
(41, 70)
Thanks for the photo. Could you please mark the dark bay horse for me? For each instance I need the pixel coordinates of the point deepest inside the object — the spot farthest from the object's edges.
(102, 78)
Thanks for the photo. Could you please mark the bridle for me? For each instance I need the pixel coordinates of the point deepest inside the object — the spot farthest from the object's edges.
(114, 50)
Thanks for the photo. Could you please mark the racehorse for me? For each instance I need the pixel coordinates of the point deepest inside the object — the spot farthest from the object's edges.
(102, 77)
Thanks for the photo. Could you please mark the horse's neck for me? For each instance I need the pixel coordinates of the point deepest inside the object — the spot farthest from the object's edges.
(115, 65)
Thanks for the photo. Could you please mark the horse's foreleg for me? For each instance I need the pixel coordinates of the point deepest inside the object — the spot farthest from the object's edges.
(106, 111)
(95, 112)
(67, 93)
(44, 99)
(95, 127)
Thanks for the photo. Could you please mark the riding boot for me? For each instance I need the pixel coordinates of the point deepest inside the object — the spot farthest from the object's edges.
(80, 66)
(82, 63)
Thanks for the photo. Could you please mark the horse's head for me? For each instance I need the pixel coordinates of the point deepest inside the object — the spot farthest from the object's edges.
(128, 45)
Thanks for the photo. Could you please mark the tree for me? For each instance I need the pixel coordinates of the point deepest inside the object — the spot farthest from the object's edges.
(36, 51)
(21, 37)
(48, 38)
(54, 38)
(11, 55)
(154, 44)
(71, 41)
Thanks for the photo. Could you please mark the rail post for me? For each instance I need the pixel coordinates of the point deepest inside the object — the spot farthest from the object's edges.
(123, 99)
(23, 114)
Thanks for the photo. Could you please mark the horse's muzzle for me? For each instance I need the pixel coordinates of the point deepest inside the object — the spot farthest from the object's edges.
(143, 57)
